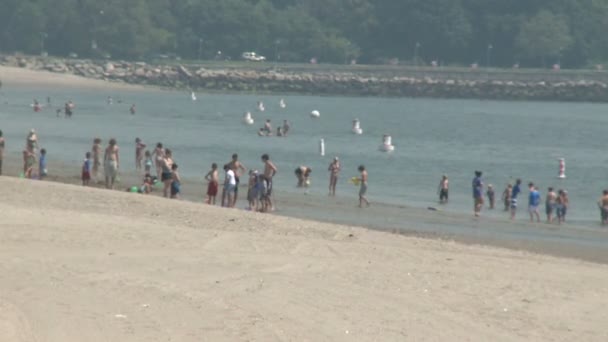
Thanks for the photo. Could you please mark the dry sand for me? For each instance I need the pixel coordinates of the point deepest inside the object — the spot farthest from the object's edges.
(19, 76)
(82, 264)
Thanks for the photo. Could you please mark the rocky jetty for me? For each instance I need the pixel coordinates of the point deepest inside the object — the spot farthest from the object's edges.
(322, 82)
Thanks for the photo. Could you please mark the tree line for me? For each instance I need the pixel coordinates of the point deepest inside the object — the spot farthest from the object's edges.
(532, 33)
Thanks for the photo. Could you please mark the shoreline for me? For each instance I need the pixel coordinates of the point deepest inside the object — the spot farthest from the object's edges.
(337, 82)
(566, 241)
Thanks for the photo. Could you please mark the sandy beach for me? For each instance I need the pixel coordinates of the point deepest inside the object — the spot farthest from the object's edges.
(88, 264)
(24, 77)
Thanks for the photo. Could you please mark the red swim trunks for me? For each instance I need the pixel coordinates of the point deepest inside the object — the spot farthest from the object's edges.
(86, 175)
(212, 188)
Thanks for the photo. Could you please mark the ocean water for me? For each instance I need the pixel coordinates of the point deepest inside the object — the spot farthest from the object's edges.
(505, 140)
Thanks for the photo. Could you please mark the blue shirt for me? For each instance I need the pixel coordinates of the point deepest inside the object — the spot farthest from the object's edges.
(42, 162)
(477, 187)
(516, 190)
(87, 165)
(534, 198)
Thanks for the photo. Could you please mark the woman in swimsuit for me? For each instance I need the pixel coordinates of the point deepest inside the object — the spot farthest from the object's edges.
(175, 182)
(166, 175)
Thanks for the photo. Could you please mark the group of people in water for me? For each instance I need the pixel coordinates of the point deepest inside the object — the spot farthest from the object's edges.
(556, 202)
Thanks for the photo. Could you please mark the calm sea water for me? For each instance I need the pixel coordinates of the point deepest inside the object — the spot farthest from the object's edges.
(505, 140)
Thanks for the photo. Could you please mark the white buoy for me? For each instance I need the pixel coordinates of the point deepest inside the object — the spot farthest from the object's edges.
(562, 168)
(315, 114)
(193, 95)
(282, 103)
(387, 144)
(247, 119)
(357, 127)
(322, 147)
(261, 106)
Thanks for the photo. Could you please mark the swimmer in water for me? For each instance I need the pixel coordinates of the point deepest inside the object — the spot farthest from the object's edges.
(139, 153)
(132, 109)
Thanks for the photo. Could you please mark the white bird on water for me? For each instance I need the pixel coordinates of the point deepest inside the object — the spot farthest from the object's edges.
(193, 95)
(282, 103)
(315, 114)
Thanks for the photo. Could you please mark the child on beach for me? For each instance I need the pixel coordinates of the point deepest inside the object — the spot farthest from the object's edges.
(86, 169)
(176, 182)
(252, 190)
(491, 195)
(147, 162)
(146, 187)
(42, 171)
(212, 187)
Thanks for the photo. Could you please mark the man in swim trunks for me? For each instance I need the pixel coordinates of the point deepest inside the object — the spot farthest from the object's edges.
(477, 193)
(443, 189)
(238, 168)
(212, 187)
(533, 202)
(286, 127)
(514, 193)
(269, 171)
(111, 163)
(2, 143)
(363, 186)
(166, 175)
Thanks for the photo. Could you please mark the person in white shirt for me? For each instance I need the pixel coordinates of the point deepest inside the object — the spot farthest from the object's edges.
(229, 187)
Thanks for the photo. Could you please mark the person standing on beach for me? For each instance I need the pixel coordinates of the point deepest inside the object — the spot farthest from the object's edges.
(2, 144)
(514, 193)
(86, 169)
(506, 196)
(550, 203)
(270, 170)
(533, 202)
(139, 153)
(238, 168)
(96, 157)
(565, 205)
(166, 175)
(229, 187)
(363, 186)
(213, 178)
(111, 163)
(175, 182)
(477, 193)
(159, 154)
(442, 190)
(334, 171)
(286, 127)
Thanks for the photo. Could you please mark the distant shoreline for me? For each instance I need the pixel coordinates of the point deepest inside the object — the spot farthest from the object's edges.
(460, 83)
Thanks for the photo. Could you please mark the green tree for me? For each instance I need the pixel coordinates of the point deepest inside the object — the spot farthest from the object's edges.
(543, 35)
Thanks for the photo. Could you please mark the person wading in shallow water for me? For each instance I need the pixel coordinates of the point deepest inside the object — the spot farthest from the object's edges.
(477, 193)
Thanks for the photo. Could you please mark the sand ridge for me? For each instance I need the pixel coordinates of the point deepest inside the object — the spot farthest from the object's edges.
(87, 264)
